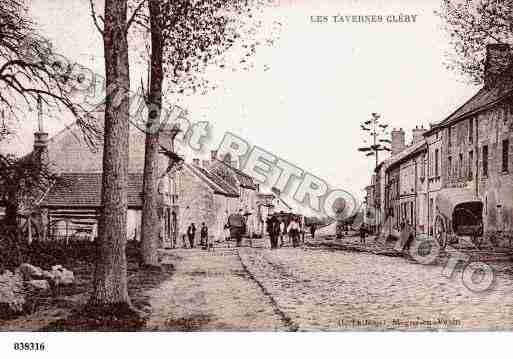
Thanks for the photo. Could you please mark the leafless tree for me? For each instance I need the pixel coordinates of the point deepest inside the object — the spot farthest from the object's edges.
(30, 70)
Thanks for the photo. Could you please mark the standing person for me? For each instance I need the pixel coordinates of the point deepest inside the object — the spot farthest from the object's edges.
(204, 235)
(282, 232)
(269, 227)
(273, 228)
(191, 233)
(312, 230)
(293, 231)
(226, 232)
(302, 229)
(362, 234)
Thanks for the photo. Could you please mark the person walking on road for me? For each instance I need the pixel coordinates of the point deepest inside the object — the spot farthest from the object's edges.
(293, 231)
(282, 232)
(191, 233)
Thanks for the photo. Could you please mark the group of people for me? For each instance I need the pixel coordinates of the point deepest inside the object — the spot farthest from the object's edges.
(233, 229)
(278, 230)
(191, 236)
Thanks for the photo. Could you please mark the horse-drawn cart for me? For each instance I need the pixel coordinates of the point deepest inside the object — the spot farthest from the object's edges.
(459, 213)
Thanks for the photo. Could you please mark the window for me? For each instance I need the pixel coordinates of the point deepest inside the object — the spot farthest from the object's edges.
(470, 163)
(449, 136)
(436, 163)
(460, 169)
(485, 161)
(449, 167)
(470, 130)
(505, 155)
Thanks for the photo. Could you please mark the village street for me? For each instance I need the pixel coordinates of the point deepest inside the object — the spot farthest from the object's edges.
(319, 289)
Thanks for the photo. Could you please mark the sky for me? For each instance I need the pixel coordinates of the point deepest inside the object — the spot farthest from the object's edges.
(306, 95)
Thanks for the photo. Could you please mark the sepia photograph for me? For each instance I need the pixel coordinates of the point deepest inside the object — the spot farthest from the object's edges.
(254, 167)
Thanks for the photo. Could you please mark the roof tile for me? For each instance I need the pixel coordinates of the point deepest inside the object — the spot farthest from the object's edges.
(84, 190)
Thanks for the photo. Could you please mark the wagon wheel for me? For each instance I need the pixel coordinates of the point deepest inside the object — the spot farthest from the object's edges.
(440, 232)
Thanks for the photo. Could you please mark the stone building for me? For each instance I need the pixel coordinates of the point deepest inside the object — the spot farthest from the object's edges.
(71, 205)
(412, 186)
(203, 197)
(190, 193)
(476, 143)
(433, 138)
(467, 156)
(405, 187)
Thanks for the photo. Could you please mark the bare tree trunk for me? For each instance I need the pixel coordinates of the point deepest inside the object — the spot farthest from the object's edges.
(110, 281)
(150, 217)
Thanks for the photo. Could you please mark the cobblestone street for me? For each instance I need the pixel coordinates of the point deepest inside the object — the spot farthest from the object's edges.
(321, 289)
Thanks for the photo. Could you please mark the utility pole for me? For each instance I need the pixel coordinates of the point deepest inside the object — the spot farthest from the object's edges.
(376, 131)
(378, 135)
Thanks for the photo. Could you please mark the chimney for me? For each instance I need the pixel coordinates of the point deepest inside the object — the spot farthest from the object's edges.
(213, 155)
(196, 162)
(418, 134)
(205, 163)
(498, 59)
(398, 143)
(40, 137)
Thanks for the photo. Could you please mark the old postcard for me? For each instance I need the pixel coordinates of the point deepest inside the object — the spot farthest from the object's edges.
(255, 166)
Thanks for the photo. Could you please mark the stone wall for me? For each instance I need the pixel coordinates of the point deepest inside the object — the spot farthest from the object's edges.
(496, 189)
(465, 146)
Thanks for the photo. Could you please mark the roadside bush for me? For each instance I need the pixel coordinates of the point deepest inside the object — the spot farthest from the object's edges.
(12, 295)
(12, 251)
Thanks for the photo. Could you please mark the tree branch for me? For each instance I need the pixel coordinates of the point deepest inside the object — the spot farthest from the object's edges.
(95, 19)
(134, 14)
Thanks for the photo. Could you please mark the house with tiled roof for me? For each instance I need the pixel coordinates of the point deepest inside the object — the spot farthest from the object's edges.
(70, 206)
(476, 143)
(467, 157)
